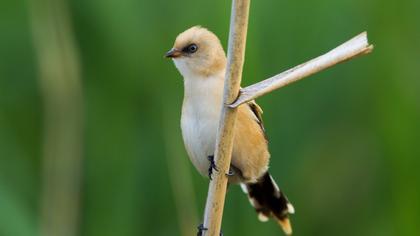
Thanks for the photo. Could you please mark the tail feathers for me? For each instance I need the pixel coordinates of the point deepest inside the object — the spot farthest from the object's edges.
(267, 199)
(285, 225)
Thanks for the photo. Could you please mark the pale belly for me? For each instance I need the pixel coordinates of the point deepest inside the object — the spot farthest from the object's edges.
(199, 136)
(200, 118)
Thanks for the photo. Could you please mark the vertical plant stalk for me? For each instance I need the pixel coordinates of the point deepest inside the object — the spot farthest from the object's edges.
(61, 89)
(235, 60)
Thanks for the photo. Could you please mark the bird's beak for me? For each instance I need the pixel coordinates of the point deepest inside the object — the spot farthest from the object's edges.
(173, 53)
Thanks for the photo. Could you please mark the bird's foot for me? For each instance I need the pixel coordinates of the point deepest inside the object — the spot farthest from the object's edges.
(201, 229)
(212, 166)
(230, 173)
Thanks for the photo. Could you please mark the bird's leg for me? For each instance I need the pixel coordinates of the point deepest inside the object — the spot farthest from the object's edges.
(201, 228)
(212, 166)
(230, 173)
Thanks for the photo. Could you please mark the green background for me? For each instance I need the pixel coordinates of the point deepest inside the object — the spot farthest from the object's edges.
(345, 143)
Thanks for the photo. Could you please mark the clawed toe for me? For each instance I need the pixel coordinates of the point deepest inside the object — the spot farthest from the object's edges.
(201, 229)
(230, 173)
(212, 166)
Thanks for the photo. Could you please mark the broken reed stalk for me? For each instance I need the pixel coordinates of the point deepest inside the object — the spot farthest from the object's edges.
(356, 46)
(236, 51)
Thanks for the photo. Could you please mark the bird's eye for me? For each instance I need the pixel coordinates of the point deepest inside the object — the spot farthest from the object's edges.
(192, 48)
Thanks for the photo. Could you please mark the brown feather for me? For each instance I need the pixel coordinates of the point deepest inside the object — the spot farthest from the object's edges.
(250, 150)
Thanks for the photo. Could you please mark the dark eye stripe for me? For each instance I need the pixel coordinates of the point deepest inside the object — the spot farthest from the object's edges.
(192, 48)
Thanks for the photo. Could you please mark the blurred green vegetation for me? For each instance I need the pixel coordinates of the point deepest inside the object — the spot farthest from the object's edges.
(345, 143)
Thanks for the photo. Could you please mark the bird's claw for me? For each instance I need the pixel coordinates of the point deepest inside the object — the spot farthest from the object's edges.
(230, 173)
(201, 228)
(212, 166)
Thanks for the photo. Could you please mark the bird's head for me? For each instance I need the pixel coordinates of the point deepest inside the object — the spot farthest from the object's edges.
(198, 52)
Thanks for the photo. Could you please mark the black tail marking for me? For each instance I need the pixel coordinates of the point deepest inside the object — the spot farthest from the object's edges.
(269, 201)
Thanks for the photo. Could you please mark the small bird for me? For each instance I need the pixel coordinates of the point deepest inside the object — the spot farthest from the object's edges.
(199, 57)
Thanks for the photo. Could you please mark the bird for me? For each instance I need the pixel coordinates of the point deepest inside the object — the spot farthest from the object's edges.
(199, 57)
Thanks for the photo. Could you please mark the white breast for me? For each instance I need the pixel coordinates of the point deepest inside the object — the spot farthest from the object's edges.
(200, 118)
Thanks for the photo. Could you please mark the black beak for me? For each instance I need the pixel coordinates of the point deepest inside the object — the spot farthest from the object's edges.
(173, 53)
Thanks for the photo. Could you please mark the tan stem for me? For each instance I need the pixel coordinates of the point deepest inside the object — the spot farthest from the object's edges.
(236, 51)
(354, 47)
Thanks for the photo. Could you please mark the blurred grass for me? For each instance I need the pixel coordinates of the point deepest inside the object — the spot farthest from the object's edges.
(179, 175)
(344, 143)
(60, 86)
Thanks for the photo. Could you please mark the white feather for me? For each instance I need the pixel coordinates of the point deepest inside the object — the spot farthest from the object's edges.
(290, 208)
(262, 217)
(276, 187)
(244, 188)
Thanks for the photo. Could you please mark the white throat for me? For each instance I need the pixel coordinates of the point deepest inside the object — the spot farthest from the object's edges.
(183, 66)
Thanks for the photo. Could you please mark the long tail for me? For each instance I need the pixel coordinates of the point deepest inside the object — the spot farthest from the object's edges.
(267, 199)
